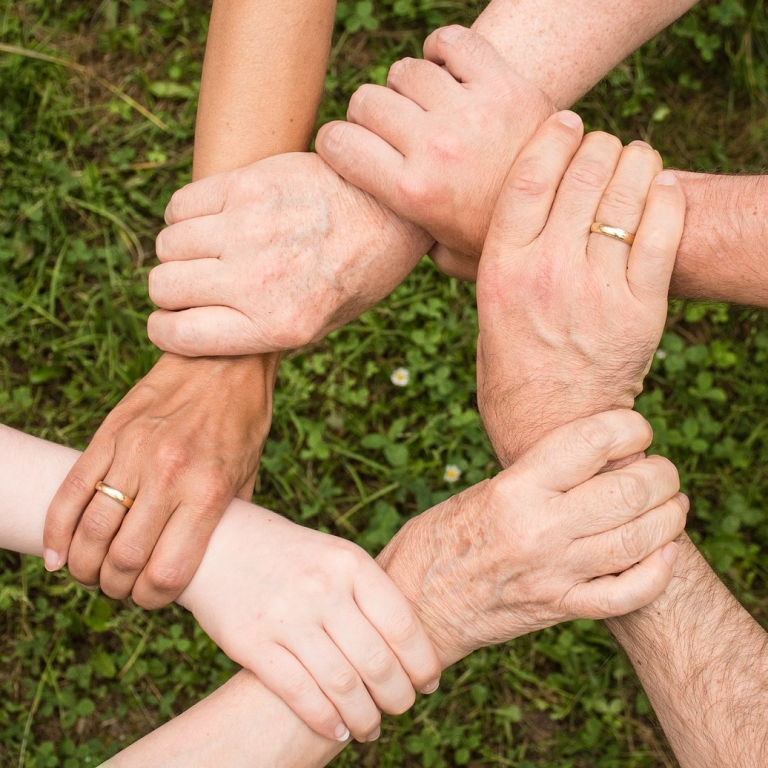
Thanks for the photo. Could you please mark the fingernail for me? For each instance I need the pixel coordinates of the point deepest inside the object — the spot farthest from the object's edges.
(341, 733)
(373, 735)
(667, 179)
(638, 143)
(90, 587)
(431, 687)
(669, 553)
(451, 33)
(51, 560)
(685, 502)
(571, 119)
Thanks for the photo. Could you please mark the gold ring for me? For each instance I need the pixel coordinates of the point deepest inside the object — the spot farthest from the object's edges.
(614, 232)
(113, 493)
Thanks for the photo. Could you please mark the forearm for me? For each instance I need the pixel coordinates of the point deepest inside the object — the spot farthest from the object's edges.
(262, 80)
(703, 661)
(565, 51)
(724, 255)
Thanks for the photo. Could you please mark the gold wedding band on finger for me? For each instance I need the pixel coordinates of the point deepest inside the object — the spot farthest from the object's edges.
(113, 493)
(615, 232)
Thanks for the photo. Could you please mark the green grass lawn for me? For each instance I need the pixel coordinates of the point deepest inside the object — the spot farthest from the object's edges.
(96, 124)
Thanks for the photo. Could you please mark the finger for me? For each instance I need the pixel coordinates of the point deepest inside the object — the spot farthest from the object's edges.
(616, 550)
(363, 159)
(72, 497)
(185, 284)
(613, 498)
(652, 257)
(339, 681)
(631, 590)
(202, 238)
(207, 331)
(374, 661)
(582, 188)
(467, 55)
(423, 82)
(179, 549)
(622, 206)
(100, 522)
(386, 114)
(454, 264)
(393, 617)
(525, 201)
(288, 679)
(133, 543)
(205, 197)
(575, 452)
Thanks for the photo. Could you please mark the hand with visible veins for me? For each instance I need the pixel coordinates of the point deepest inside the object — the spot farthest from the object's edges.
(436, 144)
(183, 443)
(273, 256)
(569, 320)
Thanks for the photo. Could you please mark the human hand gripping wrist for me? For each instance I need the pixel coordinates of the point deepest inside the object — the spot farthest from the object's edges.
(436, 144)
(314, 617)
(183, 442)
(569, 320)
(273, 256)
(548, 540)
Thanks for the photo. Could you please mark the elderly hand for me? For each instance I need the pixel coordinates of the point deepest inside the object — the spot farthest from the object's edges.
(273, 256)
(315, 619)
(545, 541)
(569, 321)
(183, 442)
(436, 144)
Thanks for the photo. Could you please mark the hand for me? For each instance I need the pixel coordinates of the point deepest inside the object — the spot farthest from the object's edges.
(436, 144)
(315, 619)
(182, 443)
(273, 256)
(543, 541)
(569, 320)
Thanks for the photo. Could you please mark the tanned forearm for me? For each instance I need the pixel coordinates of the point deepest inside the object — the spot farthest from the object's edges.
(703, 661)
(262, 80)
(724, 253)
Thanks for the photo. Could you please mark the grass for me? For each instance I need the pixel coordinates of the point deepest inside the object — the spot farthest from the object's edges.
(95, 134)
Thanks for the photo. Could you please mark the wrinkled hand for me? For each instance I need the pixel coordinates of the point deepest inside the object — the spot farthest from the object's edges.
(315, 619)
(569, 320)
(436, 144)
(183, 442)
(543, 541)
(273, 256)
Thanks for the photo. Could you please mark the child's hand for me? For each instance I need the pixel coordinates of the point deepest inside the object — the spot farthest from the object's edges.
(436, 144)
(315, 619)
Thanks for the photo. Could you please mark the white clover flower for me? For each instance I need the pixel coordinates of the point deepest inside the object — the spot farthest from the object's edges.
(452, 473)
(661, 354)
(400, 377)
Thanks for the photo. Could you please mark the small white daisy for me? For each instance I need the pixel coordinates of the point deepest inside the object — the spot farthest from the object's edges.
(452, 473)
(661, 354)
(400, 377)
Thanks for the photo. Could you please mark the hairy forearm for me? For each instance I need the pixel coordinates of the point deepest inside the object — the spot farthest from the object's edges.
(724, 253)
(703, 661)
(262, 80)
(564, 52)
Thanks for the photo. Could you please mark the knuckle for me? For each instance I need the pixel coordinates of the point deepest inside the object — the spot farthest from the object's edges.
(298, 686)
(417, 192)
(172, 458)
(623, 196)
(529, 181)
(344, 681)
(381, 665)
(403, 627)
(633, 541)
(446, 147)
(96, 526)
(77, 486)
(631, 490)
(588, 175)
(128, 557)
(595, 435)
(166, 577)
